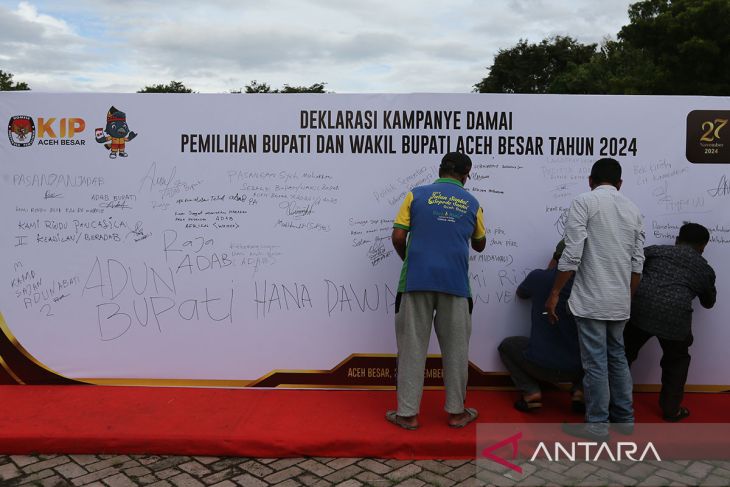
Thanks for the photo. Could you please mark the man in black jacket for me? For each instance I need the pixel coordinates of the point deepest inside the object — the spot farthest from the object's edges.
(662, 306)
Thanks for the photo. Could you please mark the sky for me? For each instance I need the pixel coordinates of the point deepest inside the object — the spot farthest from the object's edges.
(215, 46)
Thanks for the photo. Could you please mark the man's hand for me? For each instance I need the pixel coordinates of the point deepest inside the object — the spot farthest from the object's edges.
(561, 279)
(479, 245)
(635, 280)
(400, 239)
(550, 306)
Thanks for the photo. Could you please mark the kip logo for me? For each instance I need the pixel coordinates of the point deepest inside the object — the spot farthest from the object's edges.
(60, 131)
(513, 440)
(21, 131)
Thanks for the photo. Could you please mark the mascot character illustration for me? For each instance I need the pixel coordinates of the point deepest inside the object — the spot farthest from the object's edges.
(117, 132)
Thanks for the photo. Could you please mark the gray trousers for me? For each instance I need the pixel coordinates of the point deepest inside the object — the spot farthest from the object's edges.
(526, 374)
(452, 321)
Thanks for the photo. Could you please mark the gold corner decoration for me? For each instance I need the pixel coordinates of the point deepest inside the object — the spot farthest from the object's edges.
(21, 365)
(9, 371)
(212, 383)
(338, 366)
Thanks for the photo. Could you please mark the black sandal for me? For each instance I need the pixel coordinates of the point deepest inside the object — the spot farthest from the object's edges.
(527, 406)
(578, 407)
(681, 414)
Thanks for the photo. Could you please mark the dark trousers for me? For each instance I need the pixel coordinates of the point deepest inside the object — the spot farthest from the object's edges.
(674, 363)
(527, 375)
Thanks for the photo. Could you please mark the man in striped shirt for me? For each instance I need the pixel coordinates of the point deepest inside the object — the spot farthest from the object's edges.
(604, 247)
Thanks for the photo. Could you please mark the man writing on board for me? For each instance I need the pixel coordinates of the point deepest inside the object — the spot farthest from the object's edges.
(550, 354)
(673, 276)
(604, 248)
(431, 233)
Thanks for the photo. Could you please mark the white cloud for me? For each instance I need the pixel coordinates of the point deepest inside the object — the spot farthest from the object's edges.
(215, 46)
(42, 50)
(52, 27)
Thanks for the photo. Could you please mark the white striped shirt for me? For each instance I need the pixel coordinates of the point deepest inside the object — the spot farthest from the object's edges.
(604, 244)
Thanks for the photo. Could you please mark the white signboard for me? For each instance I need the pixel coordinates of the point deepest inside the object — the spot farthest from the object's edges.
(234, 235)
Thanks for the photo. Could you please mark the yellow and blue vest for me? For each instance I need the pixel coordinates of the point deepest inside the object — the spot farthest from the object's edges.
(441, 219)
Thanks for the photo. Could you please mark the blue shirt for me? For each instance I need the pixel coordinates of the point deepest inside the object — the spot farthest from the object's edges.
(550, 346)
(442, 218)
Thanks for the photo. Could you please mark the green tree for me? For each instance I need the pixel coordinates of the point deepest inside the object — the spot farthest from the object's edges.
(532, 68)
(7, 84)
(256, 87)
(669, 47)
(616, 69)
(315, 88)
(172, 87)
(688, 42)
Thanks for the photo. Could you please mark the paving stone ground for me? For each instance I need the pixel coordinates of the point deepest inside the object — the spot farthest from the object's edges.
(185, 471)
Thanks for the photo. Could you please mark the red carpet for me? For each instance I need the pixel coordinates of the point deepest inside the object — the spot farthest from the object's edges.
(268, 423)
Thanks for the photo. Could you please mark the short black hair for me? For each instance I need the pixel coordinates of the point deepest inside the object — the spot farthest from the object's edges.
(455, 163)
(606, 170)
(693, 234)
